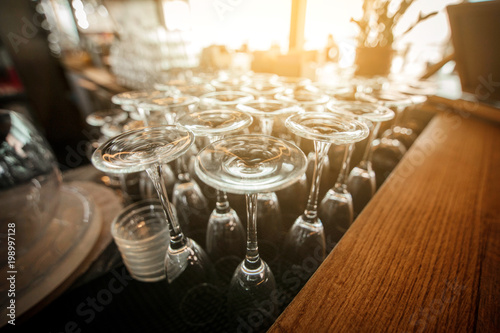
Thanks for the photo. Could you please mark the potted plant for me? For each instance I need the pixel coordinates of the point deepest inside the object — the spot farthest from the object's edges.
(376, 34)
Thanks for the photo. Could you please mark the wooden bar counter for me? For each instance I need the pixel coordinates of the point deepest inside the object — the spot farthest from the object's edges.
(424, 255)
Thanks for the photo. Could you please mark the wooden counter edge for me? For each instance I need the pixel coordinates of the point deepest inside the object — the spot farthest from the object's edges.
(477, 284)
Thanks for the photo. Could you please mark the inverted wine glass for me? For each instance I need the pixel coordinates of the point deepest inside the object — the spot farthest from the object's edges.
(293, 83)
(188, 199)
(308, 100)
(129, 101)
(388, 150)
(166, 109)
(266, 111)
(98, 119)
(353, 190)
(225, 235)
(224, 99)
(263, 89)
(306, 238)
(230, 82)
(410, 127)
(191, 89)
(249, 164)
(149, 149)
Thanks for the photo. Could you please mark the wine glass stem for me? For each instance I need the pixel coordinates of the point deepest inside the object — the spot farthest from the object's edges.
(252, 259)
(321, 151)
(222, 204)
(367, 155)
(182, 169)
(177, 239)
(266, 125)
(123, 186)
(344, 171)
(398, 111)
(144, 115)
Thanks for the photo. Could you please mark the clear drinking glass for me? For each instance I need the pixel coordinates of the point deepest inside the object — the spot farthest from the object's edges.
(230, 81)
(188, 199)
(149, 149)
(352, 190)
(308, 100)
(189, 88)
(306, 240)
(129, 101)
(249, 164)
(98, 119)
(224, 99)
(388, 151)
(263, 89)
(141, 233)
(269, 211)
(293, 83)
(166, 109)
(225, 236)
(410, 127)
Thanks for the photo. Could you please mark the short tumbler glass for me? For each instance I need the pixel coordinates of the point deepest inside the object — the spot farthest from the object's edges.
(142, 236)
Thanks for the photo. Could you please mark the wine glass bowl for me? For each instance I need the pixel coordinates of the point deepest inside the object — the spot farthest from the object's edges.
(249, 164)
(268, 108)
(132, 97)
(187, 197)
(306, 236)
(225, 234)
(270, 216)
(369, 111)
(224, 99)
(308, 100)
(101, 117)
(214, 123)
(389, 146)
(353, 190)
(327, 127)
(263, 88)
(230, 82)
(165, 110)
(150, 148)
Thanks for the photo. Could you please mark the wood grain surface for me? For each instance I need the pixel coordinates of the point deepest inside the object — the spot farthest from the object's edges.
(424, 255)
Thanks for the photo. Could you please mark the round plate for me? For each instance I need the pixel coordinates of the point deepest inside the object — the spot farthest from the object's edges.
(68, 240)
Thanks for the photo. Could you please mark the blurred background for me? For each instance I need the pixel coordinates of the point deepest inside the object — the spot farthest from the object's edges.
(60, 60)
